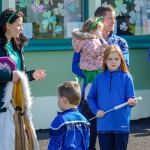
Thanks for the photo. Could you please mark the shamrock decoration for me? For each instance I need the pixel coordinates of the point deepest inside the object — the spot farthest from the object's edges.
(23, 3)
(133, 17)
(59, 11)
(71, 1)
(48, 20)
(58, 29)
(121, 8)
(123, 26)
(73, 5)
(37, 8)
(47, 1)
(36, 2)
(138, 5)
(72, 8)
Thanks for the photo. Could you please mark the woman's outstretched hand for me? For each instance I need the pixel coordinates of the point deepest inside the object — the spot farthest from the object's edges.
(39, 74)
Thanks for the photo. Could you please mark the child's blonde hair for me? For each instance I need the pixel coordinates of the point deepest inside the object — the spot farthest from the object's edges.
(88, 23)
(70, 90)
(111, 49)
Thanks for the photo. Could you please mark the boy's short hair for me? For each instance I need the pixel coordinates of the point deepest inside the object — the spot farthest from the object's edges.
(70, 90)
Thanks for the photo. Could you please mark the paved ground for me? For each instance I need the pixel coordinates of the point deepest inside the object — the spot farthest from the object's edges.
(139, 137)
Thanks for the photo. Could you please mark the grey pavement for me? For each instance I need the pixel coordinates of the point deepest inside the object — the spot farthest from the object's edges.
(139, 138)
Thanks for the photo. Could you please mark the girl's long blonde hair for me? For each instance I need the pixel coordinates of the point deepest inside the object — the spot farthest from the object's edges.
(111, 49)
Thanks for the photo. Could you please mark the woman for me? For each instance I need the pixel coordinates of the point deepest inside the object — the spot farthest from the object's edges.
(17, 131)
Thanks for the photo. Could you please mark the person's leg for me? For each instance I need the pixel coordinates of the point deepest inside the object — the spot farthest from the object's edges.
(121, 141)
(106, 141)
(87, 89)
(86, 112)
(93, 131)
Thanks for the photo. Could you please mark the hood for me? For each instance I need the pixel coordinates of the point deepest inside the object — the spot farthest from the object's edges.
(82, 35)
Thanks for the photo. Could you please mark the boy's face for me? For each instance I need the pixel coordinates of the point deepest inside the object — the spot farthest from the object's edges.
(61, 102)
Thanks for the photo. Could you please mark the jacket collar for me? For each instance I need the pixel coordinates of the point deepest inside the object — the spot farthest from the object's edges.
(68, 110)
(112, 72)
(82, 35)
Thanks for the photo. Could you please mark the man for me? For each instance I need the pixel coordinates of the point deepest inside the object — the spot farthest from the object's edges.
(109, 22)
(109, 19)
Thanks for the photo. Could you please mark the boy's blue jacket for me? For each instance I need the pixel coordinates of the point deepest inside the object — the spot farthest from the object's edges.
(108, 90)
(70, 130)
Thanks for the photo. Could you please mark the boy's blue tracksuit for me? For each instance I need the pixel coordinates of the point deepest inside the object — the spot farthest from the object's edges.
(70, 130)
(108, 90)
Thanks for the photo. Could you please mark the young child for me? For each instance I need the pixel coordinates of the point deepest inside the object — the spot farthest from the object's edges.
(111, 88)
(91, 46)
(70, 129)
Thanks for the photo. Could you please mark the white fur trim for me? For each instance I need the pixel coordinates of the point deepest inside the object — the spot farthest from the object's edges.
(8, 94)
(7, 126)
(26, 90)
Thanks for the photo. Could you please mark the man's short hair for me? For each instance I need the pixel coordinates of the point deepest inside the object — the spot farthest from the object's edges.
(101, 10)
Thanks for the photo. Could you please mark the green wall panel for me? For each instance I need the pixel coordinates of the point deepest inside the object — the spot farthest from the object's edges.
(140, 68)
(58, 66)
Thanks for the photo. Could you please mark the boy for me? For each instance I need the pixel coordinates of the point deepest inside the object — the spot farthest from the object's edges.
(70, 129)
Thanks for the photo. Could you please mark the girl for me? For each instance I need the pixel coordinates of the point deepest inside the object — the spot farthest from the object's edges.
(87, 41)
(112, 87)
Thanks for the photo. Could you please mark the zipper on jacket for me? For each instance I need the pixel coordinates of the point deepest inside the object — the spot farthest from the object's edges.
(110, 81)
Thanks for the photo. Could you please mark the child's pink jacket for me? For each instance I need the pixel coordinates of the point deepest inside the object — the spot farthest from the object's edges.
(90, 48)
